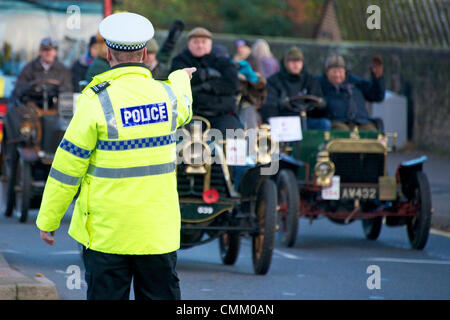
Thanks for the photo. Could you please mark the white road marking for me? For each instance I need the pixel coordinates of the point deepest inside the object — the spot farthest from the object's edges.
(289, 294)
(60, 271)
(417, 261)
(67, 252)
(440, 233)
(286, 255)
(10, 251)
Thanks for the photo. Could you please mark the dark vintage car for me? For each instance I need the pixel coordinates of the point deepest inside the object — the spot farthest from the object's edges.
(219, 201)
(343, 175)
(31, 135)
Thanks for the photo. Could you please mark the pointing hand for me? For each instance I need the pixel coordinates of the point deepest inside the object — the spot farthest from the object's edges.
(190, 71)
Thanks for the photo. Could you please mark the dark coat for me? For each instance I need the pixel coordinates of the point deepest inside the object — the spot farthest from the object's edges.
(99, 65)
(284, 84)
(34, 70)
(353, 90)
(213, 96)
(78, 71)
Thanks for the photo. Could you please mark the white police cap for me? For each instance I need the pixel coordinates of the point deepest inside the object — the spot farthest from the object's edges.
(126, 31)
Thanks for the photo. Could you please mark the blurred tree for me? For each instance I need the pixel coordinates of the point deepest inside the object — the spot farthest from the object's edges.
(261, 17)
(305, 16)
(258, 17)
(163, 12)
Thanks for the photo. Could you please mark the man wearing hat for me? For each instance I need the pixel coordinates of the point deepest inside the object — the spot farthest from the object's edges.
(346, 94)
(293, 80)
(45, 69)
(214, 85)
(120, 149)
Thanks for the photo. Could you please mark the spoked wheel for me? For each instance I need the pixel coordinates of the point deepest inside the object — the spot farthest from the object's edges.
(10, 166)
(288, 207)
(372, 227)
(24, 192)
(229, 245)
(418, 227)
(263, 241)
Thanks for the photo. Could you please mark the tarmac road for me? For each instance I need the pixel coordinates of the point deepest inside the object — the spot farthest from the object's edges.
(329, 261)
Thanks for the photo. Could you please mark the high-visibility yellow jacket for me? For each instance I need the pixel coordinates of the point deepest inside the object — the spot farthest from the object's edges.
(120, 146)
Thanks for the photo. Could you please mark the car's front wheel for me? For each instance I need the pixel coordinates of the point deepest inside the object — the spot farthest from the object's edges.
(418, 227)
(229, 245)
(288, 207)
(372, 227)
(266, 213)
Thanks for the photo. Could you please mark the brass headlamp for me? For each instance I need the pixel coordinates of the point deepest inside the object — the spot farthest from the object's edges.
(324, 169)
(265, 146)
(196, 153)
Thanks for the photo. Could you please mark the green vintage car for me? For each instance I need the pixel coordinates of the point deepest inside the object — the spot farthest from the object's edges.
(219, 201)
(343, 175)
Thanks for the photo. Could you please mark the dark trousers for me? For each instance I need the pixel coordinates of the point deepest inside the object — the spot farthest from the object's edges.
(109, 276)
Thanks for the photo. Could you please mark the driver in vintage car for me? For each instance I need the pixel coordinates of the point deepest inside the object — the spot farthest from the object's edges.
(214, 85)
(289, 84)
(45, 74)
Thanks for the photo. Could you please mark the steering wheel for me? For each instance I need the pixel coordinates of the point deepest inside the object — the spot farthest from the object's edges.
(310, 102)
(40, 85)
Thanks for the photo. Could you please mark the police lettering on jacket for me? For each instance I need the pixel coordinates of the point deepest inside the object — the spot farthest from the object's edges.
(145, 114)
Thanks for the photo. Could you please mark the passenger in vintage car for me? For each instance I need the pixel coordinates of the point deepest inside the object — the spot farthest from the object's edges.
(346, 94)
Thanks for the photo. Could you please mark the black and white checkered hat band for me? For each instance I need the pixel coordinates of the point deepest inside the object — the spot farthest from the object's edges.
(125, 47)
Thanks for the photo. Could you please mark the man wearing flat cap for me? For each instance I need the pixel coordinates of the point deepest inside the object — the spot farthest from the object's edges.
(44, 70)
(214, 85)
(346, 94)
(120, 149)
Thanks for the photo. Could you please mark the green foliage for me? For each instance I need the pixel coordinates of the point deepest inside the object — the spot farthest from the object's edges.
(259, 17)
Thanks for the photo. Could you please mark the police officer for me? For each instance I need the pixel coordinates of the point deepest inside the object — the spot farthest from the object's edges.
(120, 148)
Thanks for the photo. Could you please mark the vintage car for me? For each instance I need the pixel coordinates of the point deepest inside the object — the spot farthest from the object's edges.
(343, 175)
(32, 133)
(220, 201)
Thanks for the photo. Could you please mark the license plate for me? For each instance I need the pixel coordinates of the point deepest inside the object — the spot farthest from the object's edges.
(332, 192)
(365, 193)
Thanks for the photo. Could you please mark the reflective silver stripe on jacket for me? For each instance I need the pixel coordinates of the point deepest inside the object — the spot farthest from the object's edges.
(173, 101)
(64, 178)
(110, 118)
(119, 173)
(189, 104)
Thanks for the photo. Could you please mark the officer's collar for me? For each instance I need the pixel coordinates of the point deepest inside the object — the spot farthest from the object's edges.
(117, 71)
(130, 64)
